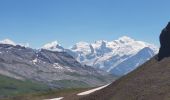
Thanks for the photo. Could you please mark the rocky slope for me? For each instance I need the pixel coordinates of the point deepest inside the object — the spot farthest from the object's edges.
(151, 81)
(56, 69)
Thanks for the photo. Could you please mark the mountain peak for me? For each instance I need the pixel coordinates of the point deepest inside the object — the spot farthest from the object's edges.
(7, 41)
(101, 41)
(81, 45)
(125, 39)
(53, 46)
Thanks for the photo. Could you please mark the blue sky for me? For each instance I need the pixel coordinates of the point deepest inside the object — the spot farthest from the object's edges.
(69, 21)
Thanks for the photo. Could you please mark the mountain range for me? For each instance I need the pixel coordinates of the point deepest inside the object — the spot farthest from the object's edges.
(150, 81)
(118, 56)
(55, 69)
(58, 67)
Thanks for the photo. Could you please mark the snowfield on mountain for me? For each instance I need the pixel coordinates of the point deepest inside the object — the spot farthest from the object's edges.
(113, 56)
(57, 69)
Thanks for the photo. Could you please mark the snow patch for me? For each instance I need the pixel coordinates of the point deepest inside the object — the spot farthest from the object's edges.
(69, 69)
(35, 61)
(92, 90)
(57, 66)
(60, 98)
(24, 45)
(7, 41)
(53, 46)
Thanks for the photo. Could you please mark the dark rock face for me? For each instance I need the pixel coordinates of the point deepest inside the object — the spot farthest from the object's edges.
(165, 43)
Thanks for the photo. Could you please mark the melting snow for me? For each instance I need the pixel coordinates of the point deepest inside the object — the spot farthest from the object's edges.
(60, 98)
(57, 66)
(92, 90)
(7, 41)
(35, 60)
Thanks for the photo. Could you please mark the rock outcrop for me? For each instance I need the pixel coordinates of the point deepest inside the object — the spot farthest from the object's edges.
(165, 43)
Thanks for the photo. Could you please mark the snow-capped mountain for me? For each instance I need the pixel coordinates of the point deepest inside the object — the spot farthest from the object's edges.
(10, 42)
(119, 56)
(49, 67)
(133, 62)
(53, 63)
(53, 46)
(7, 41)
(110, 55)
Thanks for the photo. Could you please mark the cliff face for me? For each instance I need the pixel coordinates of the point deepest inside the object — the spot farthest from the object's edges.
(165, 43)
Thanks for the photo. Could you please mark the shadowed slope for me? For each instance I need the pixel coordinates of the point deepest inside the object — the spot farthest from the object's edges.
(165, 43)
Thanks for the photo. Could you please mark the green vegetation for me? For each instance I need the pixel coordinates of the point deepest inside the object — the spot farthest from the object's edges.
(66, 93)
(71, 84)
(101, 78)
(13, 87)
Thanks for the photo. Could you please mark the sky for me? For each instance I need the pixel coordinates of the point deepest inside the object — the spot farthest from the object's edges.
(38, 22)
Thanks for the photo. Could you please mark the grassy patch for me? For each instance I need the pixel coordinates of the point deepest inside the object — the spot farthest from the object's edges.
(49, 94)
(71, 83)
(100, 78)
(13, 87)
